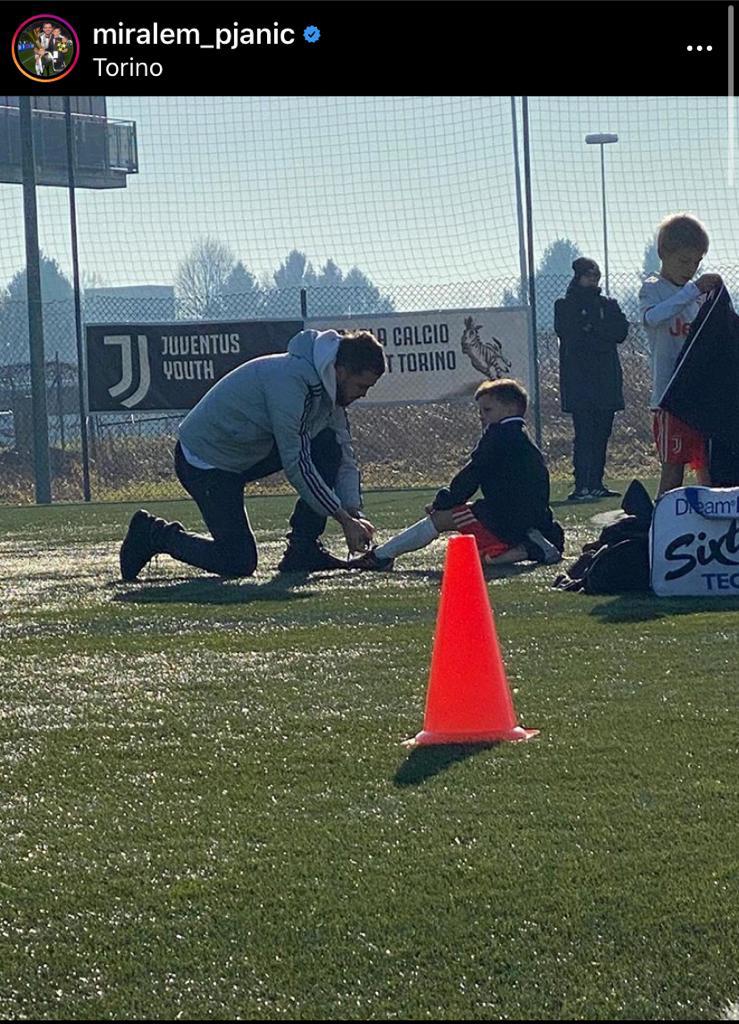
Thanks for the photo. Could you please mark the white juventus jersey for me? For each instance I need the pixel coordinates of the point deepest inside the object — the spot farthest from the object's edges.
(667, 311)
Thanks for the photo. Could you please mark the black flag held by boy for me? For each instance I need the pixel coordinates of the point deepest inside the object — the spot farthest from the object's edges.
(704, 389)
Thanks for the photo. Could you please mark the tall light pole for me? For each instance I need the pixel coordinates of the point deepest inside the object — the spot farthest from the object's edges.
(601, 139)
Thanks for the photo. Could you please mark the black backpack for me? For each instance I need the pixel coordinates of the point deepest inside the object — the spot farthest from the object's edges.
(618, 562)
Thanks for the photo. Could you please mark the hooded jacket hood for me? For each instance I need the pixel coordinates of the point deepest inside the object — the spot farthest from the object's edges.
(319, 348)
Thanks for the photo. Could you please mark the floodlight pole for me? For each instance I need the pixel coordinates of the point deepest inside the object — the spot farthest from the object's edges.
(533, 340)
(37, 356)
(77, 305)
(601, 139)
(605, 222)
(523, 275)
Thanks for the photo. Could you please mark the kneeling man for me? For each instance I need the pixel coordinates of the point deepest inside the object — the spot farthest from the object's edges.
(277, 412)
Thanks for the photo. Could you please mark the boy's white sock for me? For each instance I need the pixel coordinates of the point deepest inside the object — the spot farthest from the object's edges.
(415, 537)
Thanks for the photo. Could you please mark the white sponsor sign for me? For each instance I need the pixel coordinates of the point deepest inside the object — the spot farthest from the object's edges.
(694, 542)
(442, 355)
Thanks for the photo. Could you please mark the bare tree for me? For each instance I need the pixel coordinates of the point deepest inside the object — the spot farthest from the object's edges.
(201, 279)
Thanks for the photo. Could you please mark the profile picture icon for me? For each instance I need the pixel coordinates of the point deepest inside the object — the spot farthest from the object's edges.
(45, 48)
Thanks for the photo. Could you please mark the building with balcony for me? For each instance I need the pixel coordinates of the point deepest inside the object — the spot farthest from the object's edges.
(105, 148)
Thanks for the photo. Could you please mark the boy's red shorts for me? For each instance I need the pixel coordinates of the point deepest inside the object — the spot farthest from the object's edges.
(677, 443)
(488, 544)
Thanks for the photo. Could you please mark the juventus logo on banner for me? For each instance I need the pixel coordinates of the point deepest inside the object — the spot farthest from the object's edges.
(160, 367)
(125, 384)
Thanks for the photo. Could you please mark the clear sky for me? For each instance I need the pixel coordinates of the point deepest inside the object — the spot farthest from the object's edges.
(413, 190)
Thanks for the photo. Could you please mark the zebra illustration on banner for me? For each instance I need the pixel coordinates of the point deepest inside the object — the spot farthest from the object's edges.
(486, 356)
(126, 382)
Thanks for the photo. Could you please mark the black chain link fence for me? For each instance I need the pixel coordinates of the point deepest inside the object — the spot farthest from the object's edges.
(398, 446)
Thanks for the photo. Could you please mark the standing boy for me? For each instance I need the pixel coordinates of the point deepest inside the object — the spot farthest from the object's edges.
(668, 303)
(513, 522)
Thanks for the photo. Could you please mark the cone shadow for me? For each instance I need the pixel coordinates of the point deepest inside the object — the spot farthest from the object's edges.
(424, 762)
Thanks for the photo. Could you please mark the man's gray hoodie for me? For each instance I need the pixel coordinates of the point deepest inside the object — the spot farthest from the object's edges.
(283, 400)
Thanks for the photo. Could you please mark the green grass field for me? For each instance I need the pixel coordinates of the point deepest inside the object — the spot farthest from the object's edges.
(207, 812)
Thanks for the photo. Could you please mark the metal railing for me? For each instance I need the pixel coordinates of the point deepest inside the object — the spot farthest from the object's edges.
(103, 146)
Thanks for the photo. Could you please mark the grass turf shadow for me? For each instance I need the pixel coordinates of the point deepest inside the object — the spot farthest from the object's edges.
(490, 572)
(424, 762)
(503, 572)
(589, 504)
(432, 575)
(217, 591)
(648, 607)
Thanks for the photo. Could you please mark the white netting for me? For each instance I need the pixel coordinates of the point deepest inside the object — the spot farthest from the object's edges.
(376, 203)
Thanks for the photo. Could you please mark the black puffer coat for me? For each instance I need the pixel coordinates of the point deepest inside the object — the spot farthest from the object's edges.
(589, 327)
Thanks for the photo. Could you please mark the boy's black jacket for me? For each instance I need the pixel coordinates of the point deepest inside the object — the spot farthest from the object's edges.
(510, 471)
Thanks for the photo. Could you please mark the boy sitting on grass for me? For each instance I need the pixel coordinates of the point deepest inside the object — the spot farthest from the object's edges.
(513, 522)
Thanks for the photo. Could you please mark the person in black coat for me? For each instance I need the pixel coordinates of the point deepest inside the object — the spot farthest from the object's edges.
(589, 327)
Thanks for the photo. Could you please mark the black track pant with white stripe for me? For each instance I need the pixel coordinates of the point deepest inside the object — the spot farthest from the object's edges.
(220, 498)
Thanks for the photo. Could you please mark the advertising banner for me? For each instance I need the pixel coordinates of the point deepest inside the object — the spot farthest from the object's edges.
(442, 355)
(133, 367)
(694, 542)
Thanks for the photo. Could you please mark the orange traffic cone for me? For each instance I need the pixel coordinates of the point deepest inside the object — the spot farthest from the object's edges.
(468, 699)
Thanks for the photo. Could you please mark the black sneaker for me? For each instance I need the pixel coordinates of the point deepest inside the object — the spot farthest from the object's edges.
(581, 494)
(144, 539)
(311, 557)
(137, 548)
(370, 562)
(603, 492)
(539, 549)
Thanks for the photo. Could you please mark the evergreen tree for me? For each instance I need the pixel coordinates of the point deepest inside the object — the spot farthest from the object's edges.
(330, 276)
(650, 260)
(328, 292)
(552, 277)
(243, 297)
(628, 297)
(362, 296)
(295, 272)
(57, 297)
